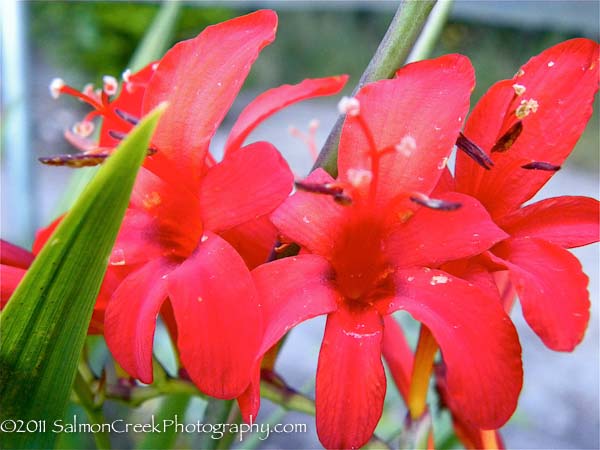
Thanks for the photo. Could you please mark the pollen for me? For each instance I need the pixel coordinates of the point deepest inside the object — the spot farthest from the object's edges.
(83, 129)
(407, 145)
(519, 89)
(110, 85)
(526, 107)
(200, 299)
(349, 106)
(359, 177)
(438, 279)
(404, 216)
(152, 200)
(550, 63)
(520, 73)
(56, 86)
(204, 238)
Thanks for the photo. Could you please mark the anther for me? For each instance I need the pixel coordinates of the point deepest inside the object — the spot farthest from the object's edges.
(83, 129)
(526, 107)
(118, 135)
(359, 177)
(319, 188)
(407, 145)
(126, 76)
(75, 161)
(519, 89)
(474, 151)
(127, 117)
(508, 139)
(541, 165)
(56, 87)
(110, 85)
(432, 203)
(349, 106)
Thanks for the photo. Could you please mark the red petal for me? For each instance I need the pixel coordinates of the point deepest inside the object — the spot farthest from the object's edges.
(130, 318)
(249, 401)
(218, 318)
(15, 256)
(42, 235)
(293, 290)
(398, 355)
(466, 231)
(565, 221)
(247, 184)
(350, 379)
(200, 78)
(478, 341)
(273, 100)
(427, 101)
(10, 277)
(563, 80)
(552, 290)
(253, 240)
(137, 241)
(311, 219)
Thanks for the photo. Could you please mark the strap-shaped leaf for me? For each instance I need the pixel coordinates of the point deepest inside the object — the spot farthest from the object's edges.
(44, 325)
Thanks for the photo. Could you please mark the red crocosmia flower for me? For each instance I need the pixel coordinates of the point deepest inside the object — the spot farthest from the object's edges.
(14, 262)
(528, 125)
(186, 234)
(375, 238)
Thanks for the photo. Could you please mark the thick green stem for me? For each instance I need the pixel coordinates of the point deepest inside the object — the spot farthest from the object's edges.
(390, 55)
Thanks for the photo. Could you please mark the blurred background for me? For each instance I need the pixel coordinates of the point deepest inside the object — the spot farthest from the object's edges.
(82, 41)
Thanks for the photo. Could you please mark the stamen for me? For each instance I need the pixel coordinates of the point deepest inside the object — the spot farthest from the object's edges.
(508, 139)
(117, 135)
(359, 177)
(541, 165)
(88, 90)
(319, 188)
(519, 89)
(526, 107)
(432, 203)
(83, 129)
(349, 106)
(336, 191)
(75, 161)
(110, 85)
(56, 87)
(474, 151)
(127, 117)
(407, 145)
(126, 75)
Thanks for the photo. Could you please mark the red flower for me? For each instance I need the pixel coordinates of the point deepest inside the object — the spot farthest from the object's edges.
(374, 249)
(189, 217)
(528, 125)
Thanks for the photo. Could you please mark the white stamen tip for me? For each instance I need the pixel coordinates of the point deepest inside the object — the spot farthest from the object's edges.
(55, 87)
(83, 129)
(519, 89)
(126, 76)
(110, 85)
(407, 145)
(155, 66)
(359, 177)
(314, 124)
(349, 106)
(88, 90)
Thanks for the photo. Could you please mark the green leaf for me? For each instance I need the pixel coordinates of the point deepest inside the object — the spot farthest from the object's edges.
(45, 322)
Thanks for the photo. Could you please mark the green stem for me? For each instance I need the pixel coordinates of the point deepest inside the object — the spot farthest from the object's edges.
(431, 31)
(93, 411)
(216, 412)
(390, 55)
(171, 406)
